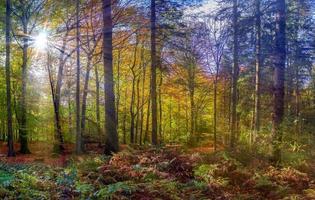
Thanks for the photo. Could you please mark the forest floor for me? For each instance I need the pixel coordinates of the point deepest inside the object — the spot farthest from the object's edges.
(165, 173)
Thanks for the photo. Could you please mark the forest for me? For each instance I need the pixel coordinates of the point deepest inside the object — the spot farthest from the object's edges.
(157, 99)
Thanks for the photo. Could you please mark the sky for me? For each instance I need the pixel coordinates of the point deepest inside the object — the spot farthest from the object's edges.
(207, 6)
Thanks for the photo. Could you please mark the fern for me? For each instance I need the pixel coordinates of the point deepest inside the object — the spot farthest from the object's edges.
(5, 178)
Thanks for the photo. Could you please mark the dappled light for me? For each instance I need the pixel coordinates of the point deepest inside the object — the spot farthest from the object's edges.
(157, 99)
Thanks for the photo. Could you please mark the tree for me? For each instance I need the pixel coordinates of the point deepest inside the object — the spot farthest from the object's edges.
(56, 81)
(77, 97)
(111, 143)
(133, 95)
(144, 68)
(55, 93)
(28, 13)
(217, 38)
(258, 68)
(153, 74)
(299, 59)
(8, 78)
(97, 99)
(187, 57)
(92, 41)
(235, 74)
(279, 72)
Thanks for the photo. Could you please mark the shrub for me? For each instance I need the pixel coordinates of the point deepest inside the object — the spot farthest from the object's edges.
(5, 178)
(206, 173)
(109, 191)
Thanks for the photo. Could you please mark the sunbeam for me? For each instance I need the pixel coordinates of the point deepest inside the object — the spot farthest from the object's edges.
(41, 41)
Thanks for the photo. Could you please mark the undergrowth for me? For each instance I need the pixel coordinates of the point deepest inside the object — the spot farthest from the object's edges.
(162, 173)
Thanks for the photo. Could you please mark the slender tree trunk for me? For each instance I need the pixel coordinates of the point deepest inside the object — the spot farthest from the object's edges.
(56, 95)
(11, 151)
(142, 105)
(138, 111)
(313, 91)
(289, 89)
(186, 117)
(297, 103)
(84, 97)
(234, 75)
(77, 97)
(23, 129)
(170, 110)
(192, 118)
(153, 73)
(70, 128)
(3, 130)
(125, 118)
(191, 87)
(58, 146)
(178, 121)
(16, 111)
(146, 133)
(228, 137)
(132, 102)
(258, 71)
(118, 86)
(98, 114)
(111, 144)
(215, 85)
(132, 114)
(279, 73)
(160, 108)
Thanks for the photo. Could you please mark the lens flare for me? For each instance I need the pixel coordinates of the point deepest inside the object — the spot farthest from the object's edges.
(41, 41)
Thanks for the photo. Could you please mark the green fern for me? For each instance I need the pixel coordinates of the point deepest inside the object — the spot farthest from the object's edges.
(5, 178)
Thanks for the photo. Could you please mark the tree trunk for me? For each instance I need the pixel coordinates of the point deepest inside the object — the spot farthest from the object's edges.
(16, 111)
(146, 133)
(98, 114)
(142, 105)
(215, 85)
(192, 118)
(138, 111)
(279, 67)
(125, 118)
(187, 117)
(132, 102)
(23, 129)
(178, 122)
(11, 152)
(258, 72)
(289, 89)
(77, 97)
(111, 143)
(313, 91)
(70, 130)
(58, 146)
(235, 75)
(160, 108)
(153, 73)
(131, 109)
(191, 89)
(170, 110)
(85, 93)
(56, 95)
(297, 102)
(118, 86)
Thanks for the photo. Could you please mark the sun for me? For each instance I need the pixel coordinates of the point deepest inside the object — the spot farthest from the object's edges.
(41, 41)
